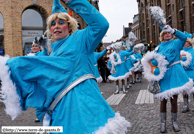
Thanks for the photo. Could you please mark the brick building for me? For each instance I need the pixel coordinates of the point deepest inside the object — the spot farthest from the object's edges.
(179, 14)
(16, 35)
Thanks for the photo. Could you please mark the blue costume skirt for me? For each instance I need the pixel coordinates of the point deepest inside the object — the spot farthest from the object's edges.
(122, 72)
(175, 81)
(129, 65)
(190, 74)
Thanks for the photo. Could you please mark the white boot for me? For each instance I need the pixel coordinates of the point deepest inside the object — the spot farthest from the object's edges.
(117, 89)
(129, 85)
(124, 89)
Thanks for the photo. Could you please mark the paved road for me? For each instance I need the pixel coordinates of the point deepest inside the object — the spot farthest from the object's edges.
(143, 117)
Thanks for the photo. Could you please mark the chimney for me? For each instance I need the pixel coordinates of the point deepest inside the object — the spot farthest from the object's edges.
(130, 24)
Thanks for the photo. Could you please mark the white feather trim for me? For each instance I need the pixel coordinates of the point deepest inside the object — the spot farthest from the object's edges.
(162, 63)
(11, 98)
(115, 125)
(99, 79)
(113, 60)
(191, 91)
(31, 54)
(174, 91)
(120, 77)
(189, 59)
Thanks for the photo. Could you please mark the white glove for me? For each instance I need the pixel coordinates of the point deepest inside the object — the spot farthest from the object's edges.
(108, 47)
(46, 120)
(130, 43)
(168, 29)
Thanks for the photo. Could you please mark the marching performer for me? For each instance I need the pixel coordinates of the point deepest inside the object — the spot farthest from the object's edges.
(187, 61)
(162, 65)
(138, 49)
(61, 86)
(96, 57)
(129, 63)
(119, 71)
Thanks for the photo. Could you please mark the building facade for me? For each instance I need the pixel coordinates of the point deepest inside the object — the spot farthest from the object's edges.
(16, 34)
(179, 15)
(135, 28)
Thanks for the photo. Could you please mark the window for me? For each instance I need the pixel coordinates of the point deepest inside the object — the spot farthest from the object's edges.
(32, 25)
(1, 35)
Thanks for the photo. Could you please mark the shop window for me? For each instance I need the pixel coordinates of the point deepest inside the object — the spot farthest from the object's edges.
(32, 26)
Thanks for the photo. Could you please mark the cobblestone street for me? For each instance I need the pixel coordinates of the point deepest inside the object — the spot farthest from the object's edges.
(144, 117)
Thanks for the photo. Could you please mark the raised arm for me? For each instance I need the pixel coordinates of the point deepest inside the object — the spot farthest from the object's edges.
(101, 53)
(130, 49)
(97, 24)
(182, 38)
(124, 53)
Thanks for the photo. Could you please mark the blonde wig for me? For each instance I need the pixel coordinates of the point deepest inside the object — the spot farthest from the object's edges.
(191, 41)
(161, 38)
(72, 23)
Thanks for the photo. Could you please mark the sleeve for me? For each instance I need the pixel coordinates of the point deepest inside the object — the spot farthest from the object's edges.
(182, 38)
(130, 49)
(99, 55)
(97, 24)
(133, 59)
(43, 53)
(124, 53)
(40, 112)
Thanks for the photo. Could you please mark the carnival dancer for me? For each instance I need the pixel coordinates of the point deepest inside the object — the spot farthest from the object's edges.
(137, 49)
(39, 81)
(119, 71)
(162, 65)
(96, 57)
(129, 62)
(163, 70)
(187, 61)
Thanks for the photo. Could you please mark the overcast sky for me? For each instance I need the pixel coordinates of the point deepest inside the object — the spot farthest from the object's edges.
(118, 13)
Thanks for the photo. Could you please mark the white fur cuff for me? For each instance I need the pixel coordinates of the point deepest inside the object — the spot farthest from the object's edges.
(10, 96)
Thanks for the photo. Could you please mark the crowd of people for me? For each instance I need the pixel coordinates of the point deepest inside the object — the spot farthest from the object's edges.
(62, 84)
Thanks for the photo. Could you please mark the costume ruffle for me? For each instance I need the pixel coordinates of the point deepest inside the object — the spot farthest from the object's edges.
(189, 59)
(162, 63)
(120, 77)
(174, 91)
(9, 93)
(115, 125)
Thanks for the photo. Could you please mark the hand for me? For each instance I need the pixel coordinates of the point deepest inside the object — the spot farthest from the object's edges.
(108, 47)
(168, 29)
(46, 120)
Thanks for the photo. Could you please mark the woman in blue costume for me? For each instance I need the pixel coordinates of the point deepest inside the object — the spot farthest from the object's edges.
(129, 62)
(189, 56)
(174, 79)
(138, 70)
(96, 57)
(38, 80)
(119, 71)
